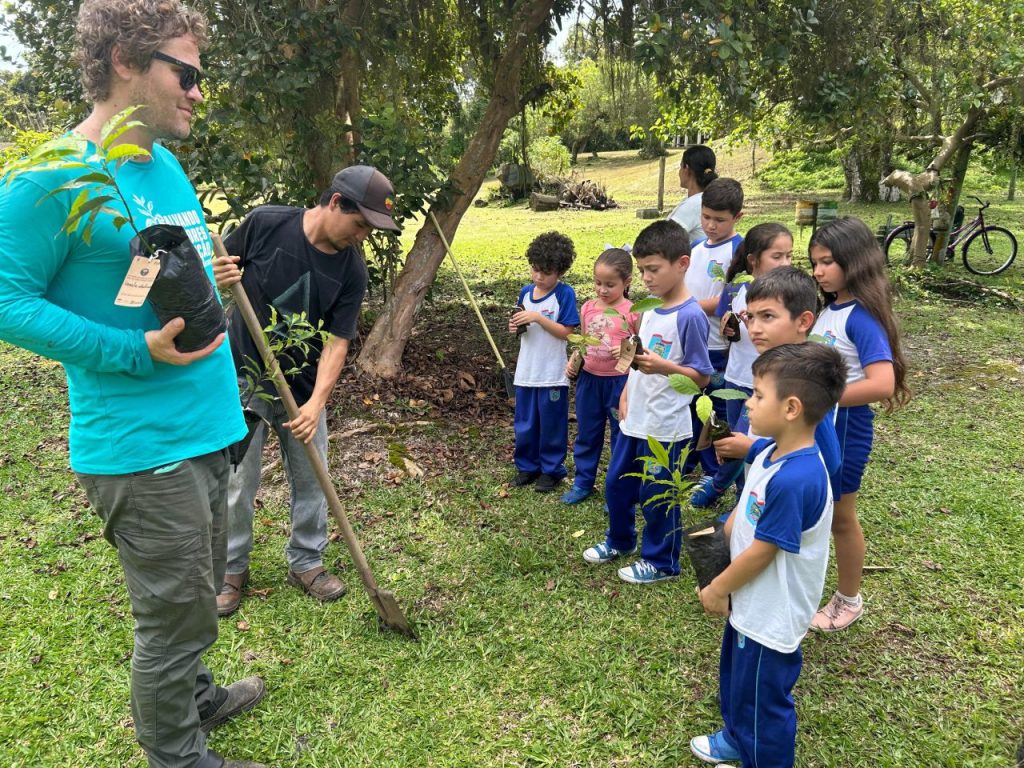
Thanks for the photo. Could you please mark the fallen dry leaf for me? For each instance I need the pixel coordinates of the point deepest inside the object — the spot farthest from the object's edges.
(242, 626)
(577, 534)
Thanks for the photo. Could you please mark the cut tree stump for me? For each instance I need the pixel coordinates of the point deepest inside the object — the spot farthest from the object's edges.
(648, 213)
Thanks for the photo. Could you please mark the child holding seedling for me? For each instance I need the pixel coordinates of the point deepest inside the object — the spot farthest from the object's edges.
(542, 389)
(674, 340)
(721, 209)
(765, 247)
(781, 308)
(859, 322)
(607, 320)
(778, 544)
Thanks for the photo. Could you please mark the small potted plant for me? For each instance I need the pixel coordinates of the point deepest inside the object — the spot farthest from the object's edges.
(165, 268)
(632, 346)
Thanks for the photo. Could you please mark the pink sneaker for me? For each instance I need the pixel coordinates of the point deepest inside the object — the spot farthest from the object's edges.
(836, 615)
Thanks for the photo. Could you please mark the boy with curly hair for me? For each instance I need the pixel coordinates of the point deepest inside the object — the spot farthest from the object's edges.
(542, 389)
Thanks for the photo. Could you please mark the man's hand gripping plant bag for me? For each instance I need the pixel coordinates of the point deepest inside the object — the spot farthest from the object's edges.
(182, 288)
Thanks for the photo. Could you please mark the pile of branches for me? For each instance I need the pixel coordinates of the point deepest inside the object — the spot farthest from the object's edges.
(573, 193)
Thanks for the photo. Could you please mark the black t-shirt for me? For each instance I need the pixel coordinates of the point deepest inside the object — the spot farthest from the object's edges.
(282, 269)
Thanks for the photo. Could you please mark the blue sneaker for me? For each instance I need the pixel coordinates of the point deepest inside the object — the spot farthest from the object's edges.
(643, 572)
(575, 495)
(706, 494)
(602, 553)
(714, 748)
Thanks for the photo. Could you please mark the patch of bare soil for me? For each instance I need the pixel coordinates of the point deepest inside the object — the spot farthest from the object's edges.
(425, 420)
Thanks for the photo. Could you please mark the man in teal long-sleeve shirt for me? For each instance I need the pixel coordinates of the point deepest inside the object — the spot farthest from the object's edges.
(149, 425)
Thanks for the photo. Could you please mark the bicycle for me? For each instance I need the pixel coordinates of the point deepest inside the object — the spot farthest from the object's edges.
(994, 247)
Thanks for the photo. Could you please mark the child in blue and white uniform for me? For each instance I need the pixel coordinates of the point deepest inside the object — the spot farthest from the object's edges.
(778, 544)
(721, 209)
(542, 388)
(859, 322)
(764, 248)
(674, 339)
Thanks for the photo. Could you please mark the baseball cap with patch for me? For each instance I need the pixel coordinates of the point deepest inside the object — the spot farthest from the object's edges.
(371, 191)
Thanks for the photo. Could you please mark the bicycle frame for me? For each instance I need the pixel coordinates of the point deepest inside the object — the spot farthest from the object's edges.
(960, 235)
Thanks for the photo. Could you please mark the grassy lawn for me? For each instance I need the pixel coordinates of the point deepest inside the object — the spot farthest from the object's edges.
(527, 656)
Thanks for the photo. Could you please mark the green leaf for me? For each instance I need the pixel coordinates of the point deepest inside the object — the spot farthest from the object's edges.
(659, 452)
(742, 278)
(115, 123)
(122, 151)
(83, 203)
(717, 272)
(730, 394)
(704, 407)
(684, 385)
(646, 305)
(87, 180)
(118, 131)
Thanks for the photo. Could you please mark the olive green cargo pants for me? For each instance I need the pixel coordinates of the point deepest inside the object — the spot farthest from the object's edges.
(168, 526)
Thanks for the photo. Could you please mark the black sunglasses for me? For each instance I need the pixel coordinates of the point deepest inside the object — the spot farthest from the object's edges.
(189, 76)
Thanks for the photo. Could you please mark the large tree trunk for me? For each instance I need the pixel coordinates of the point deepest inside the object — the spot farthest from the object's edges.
(852, 173)
(862, 169)
(951, 199)
(917, 186)
(382, 353)
(348, 104)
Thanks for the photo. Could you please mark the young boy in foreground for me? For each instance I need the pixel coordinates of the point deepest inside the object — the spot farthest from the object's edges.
(781, 307)
(674, 339)
(778, 541)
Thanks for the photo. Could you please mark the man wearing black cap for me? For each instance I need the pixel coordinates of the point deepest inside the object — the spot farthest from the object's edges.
(298, 260)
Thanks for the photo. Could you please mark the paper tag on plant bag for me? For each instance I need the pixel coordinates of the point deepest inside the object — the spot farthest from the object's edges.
(140, 278)
(627, 351)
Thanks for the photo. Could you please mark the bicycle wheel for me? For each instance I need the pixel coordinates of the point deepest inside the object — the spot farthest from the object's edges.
(897, 244)
(989, 251)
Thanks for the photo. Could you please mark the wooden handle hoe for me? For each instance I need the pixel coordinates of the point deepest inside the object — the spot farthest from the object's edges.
(383, 601)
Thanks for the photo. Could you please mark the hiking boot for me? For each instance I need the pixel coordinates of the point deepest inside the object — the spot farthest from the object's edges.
(837, 614)
(319, 583)
(231, 592)
(242, 696)
(211, 755)
(524, 478)
(546, 483)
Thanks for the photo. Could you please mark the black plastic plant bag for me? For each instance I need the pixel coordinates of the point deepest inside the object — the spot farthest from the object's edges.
(236, 451)
(182, 289)
(708, 550)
